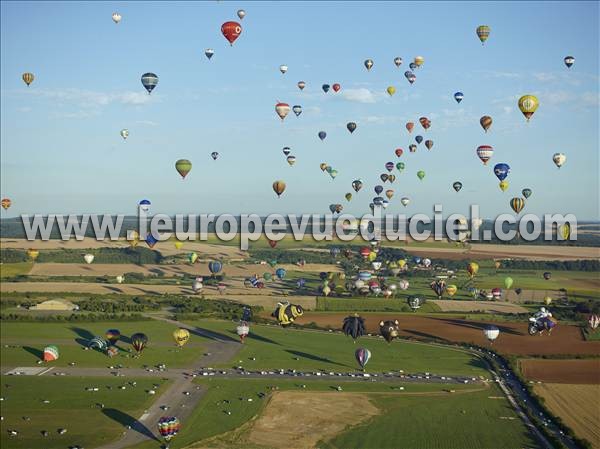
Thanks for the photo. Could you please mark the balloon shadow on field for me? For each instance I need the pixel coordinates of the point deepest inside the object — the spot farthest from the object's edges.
(212, 335)
(113, 289)
(306, 355)
(83, 334)
(34, 351)
(126, 420)
(480, 326)
(261, 338)
(425, 335)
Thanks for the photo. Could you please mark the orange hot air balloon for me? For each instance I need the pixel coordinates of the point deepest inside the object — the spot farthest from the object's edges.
(410, 126)
(279, 187)
(6, 202)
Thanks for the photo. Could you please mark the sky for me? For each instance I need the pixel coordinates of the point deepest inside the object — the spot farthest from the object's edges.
(61, 151)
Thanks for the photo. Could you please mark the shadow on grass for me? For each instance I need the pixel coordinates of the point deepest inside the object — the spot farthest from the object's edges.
(217, 336)
(306, 355)
(480, 326)
(84, 335)
(425, 335)
(126, 420)
(260, 338)
(38, 353)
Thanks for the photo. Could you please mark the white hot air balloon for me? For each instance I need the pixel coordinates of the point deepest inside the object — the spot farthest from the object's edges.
(209, 52)
(283, 68)
(116, 17)
(241, 14)
(242, 330)
(405, 201)
(124, 134)
(197, 285)
(403, 284)
(120, 279)
(376, 265)
(559, 159)
(89, 258)
(491, 333)
(282, 109)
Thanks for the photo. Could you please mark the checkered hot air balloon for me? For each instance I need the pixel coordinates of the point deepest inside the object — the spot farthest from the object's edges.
(168, 427)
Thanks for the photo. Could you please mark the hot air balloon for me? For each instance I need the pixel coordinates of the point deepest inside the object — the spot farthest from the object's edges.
(357, 185)
(301, 85)
(322, 135)
(291, 160)
(508, 282)
(458, 96)
(414, 302)
(483, 32)
(398, 61)
(214, 155)
(231, 31)
(50, 353)
(420, 174)
(336, 87)
(429, 144)
(485, 122)
(116, 17)
(497, 265)
(297, 109)
(564, 230)
(419, 139)
(389, 193)
(528, 104)
(451, 290)
(412, 66)
(503, 185)
(89, 258)
(97, 343)
(384, 177)
(197, 285)
(547, 275)
(497, 293)
(425, 123)
(569, 61)
(282, 110)
(354, 326)
(368, 64)
(438, 286)
(242, 330)
(241, 14)
(286, 313)
(183, 167)
(325, 87)
(405, 201)
(192, 257)
(594, 321)
(6, 203)
(457, 186)
(209, 52)
(351, 126)
(501, 171)
(333, 173)
(485, 152)
(389, 166)
(33, 254)
(491, 333)
(215, 267)
(389, 329)
(124, 134)
(410, 76)
(279, 187)
(28, 78)
(113, 335)
(348, 196)
(559, 159)
(378, 189)
(362, 356)
(283, 68)
(412, 148)
(288, 150)
(517, 204)
(168, 427)
(391, 90)
(139, 342)
(410, 126)
(280, 273)
(526, 193)
(144, 206)
(472, 268)
(398, 152)
(181, 336)
(391, 178)
(149, 81)
(419, 60)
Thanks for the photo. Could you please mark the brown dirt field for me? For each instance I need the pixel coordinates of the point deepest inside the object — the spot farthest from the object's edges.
(315, 416)
(577, 406)
(562, 371)
(513, 338)
(447, 305)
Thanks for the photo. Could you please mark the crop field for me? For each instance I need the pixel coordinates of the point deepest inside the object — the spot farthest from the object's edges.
(69, 406)
(582, 371)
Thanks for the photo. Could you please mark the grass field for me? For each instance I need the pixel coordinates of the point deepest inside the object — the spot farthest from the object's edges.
(71, 408)
(23, 343)
(273, 347)
(8, 270)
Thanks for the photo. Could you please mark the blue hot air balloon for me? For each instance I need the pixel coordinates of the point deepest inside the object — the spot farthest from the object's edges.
(378, 201)
(419, 139)
(501, 171)
(458, 96)
(322, 135)
(149, 81)
(215, 266)
(378, 189)
(300, 283)
(280, 273)
(325, 88)
(151, 241)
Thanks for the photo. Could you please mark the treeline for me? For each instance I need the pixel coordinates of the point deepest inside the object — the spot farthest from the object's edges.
(136, 304)
(217, 308)
(74, 317)
(293, 256)
(568, 265)
(138, 255)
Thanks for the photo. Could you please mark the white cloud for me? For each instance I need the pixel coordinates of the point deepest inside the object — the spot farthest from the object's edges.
(590, 99)
(91, 99)
(360, 95)
(146, 123)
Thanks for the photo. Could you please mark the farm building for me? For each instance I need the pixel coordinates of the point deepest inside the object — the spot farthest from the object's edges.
(55, 304)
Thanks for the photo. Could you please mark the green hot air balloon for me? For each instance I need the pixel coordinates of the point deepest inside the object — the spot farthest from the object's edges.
(508, 282)
(420, 174)
(183, 167)
(400, 166)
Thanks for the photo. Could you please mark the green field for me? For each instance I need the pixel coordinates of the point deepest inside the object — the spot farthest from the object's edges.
(274, 347)
(23, 343)
(396, 304)
(71, 408)
(8, 270)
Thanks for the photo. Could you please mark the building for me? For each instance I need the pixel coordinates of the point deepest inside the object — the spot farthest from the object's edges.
(55, 305)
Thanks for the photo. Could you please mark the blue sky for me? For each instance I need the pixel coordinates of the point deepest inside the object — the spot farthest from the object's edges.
(62, 153)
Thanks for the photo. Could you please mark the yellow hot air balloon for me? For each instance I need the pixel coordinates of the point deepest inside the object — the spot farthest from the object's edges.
(372, 256)
(28, 78)
(323, 166)
(326, 290)
(473, 268)
(483, 32)
(547, 300)
(401, 263)
(33, 254)
(178, 244)
(497, 264)
(279, 187)
(419, 60)
(391, 90)
(564, 230)
(451, 290)
(528, 105)
(503, 185)
(135, 239)
(181, 336)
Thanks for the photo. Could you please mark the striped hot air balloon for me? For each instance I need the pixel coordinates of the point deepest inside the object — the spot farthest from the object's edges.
(517, 204)
(50, 353)
(28, 78)
(279, 187)
(168, 427)
(98, 343)
(485, 152)
(483, 32)
(149, 81)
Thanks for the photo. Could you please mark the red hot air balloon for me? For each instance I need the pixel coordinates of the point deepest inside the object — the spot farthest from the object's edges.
(336, 87)
(231, 31)
(399, 152)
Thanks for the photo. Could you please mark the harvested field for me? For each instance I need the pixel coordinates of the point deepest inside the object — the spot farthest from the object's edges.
(513, 338)
(562, 371)
(447, 305)
(577, 406)
(315, 416)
